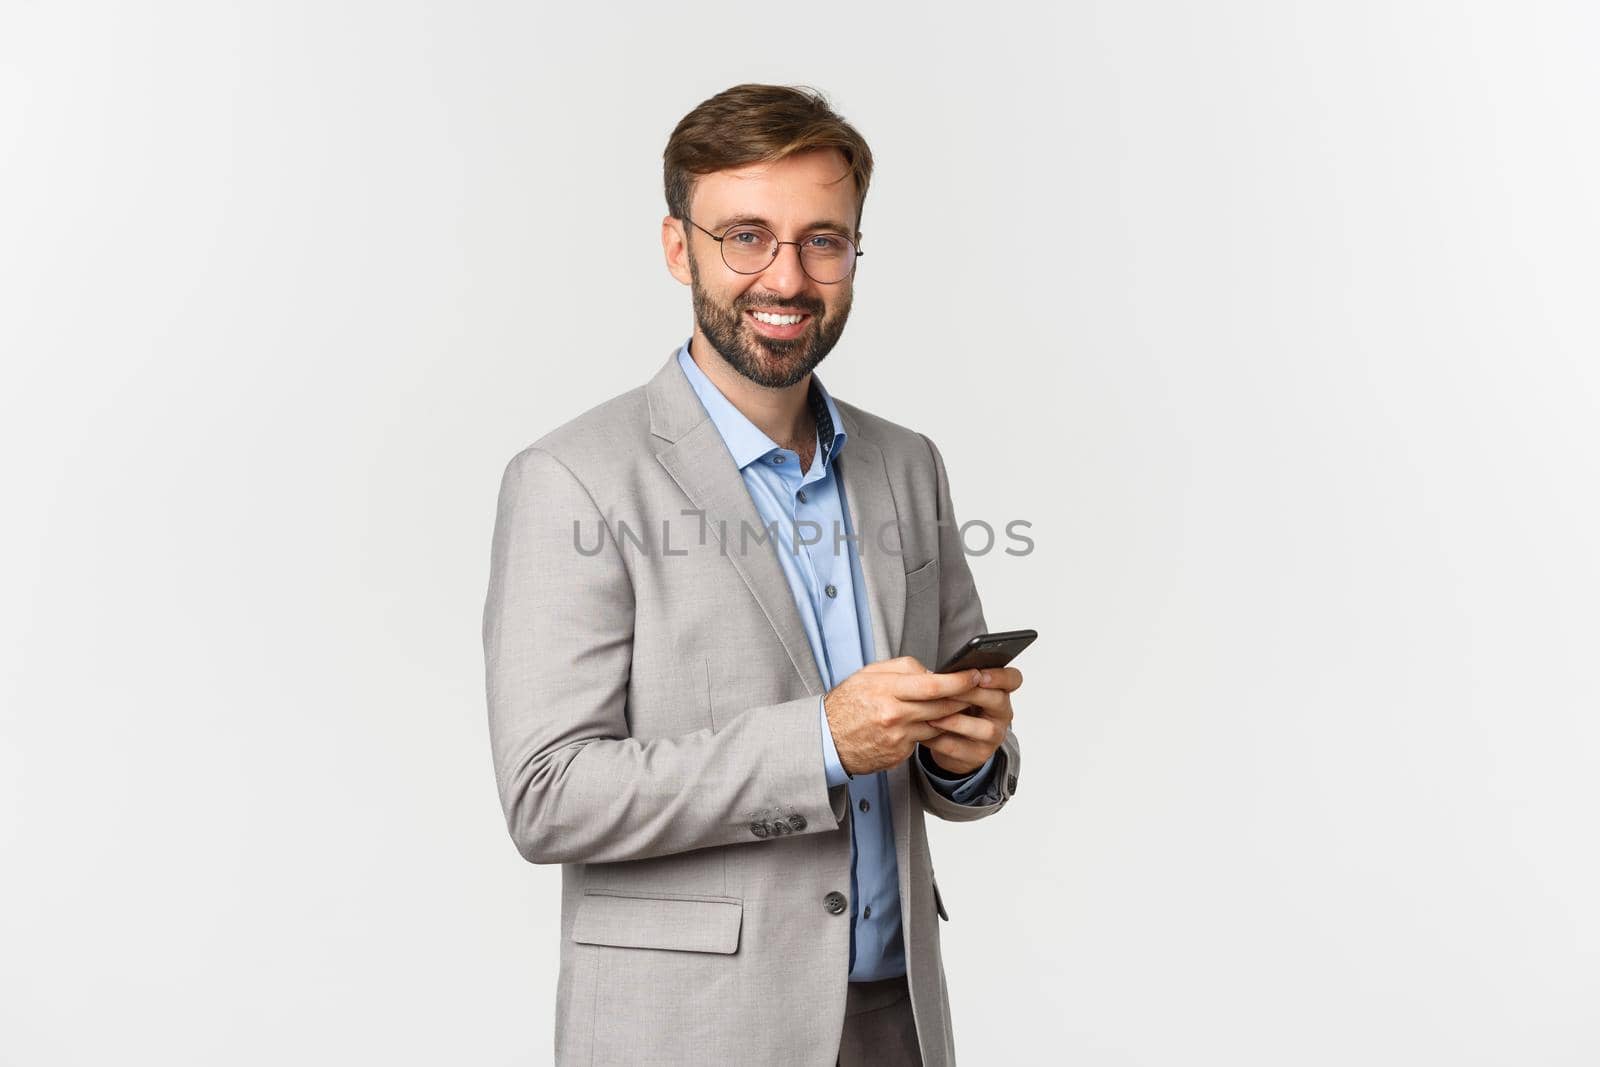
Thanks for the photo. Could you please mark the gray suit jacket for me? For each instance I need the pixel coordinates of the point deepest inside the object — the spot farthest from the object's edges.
(653, 717)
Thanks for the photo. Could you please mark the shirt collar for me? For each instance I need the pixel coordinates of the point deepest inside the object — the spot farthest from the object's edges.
(746, 442)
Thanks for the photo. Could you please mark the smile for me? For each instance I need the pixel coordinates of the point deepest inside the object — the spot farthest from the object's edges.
(777, 320)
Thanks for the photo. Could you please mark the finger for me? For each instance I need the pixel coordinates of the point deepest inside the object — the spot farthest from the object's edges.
(925, 710)
(932, 686)
(959, 748)
(994, 703)
(1007, 678)
(979, 728)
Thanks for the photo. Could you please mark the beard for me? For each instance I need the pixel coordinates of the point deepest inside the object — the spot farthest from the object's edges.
(766, 361)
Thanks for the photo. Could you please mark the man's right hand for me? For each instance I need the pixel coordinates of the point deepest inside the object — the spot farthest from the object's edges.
(880, 712)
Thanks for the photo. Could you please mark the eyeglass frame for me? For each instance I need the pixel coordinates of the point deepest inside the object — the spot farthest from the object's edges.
(721, 248)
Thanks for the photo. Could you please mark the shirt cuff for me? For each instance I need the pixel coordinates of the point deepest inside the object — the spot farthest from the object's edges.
(961, 790)
(835, 771)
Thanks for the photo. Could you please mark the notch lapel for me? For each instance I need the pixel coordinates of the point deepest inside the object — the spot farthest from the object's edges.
(874, 518)
(699, 461)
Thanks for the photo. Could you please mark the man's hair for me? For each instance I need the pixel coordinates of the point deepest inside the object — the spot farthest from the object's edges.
(758, 124)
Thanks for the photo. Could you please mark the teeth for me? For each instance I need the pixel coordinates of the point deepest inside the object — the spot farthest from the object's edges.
(777, 320)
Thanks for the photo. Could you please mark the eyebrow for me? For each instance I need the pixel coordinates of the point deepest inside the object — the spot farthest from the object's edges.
(829, 225)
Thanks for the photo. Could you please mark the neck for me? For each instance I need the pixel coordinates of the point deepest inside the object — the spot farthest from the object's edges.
(780, 413)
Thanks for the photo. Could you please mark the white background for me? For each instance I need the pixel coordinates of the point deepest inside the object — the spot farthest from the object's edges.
(1276, 319)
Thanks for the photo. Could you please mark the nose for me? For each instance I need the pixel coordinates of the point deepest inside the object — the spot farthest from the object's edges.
(784, 275)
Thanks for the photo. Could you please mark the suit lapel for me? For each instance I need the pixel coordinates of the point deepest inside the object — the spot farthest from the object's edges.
(875, 521)
(699, 461)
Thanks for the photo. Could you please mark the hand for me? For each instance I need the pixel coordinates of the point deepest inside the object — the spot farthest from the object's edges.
(880, 712)
(968, 739)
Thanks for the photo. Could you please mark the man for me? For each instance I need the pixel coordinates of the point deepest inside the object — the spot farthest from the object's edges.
(713, 607)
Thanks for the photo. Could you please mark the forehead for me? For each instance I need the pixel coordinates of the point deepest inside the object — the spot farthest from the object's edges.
(796, 191)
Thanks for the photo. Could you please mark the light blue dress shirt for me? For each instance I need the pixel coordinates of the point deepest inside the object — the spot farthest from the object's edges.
(831, 595)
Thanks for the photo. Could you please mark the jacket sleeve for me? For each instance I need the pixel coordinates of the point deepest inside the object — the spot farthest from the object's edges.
(558, 644)
(960, 617)
(961, 788)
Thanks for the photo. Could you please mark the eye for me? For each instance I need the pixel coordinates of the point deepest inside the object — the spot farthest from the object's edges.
(748, 238)
(824, 242)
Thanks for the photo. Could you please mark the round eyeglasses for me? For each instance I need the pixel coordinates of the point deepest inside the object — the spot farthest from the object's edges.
(827, 258)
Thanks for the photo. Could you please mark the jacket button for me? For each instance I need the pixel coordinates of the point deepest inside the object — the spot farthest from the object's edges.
(759, 829)
(797, 823)
(834, 902)
(1011, 783)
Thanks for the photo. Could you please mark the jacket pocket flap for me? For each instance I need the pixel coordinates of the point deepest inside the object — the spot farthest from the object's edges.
(923, 576)
(685, 924)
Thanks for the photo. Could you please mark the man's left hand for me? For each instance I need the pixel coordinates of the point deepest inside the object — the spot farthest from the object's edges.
(970, 739)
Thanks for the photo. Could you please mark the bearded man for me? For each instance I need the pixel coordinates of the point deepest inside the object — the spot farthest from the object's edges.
(714, 602)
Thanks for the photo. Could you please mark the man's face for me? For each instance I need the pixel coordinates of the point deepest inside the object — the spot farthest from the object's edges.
(787, 197)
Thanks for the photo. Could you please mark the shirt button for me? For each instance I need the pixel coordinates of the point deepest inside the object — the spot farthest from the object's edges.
(866, 805)
(777, 459)
(831, 591)
(867, 912)
(802, 495)
(834, 902)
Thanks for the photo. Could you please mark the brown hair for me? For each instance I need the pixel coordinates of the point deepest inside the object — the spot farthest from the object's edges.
(758, 124)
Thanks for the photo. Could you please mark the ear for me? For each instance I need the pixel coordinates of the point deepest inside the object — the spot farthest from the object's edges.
(675, 246)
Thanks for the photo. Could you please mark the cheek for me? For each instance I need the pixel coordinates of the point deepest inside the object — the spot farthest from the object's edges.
(721, 301)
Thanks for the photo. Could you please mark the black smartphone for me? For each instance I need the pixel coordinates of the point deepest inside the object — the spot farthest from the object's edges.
(989, 650)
